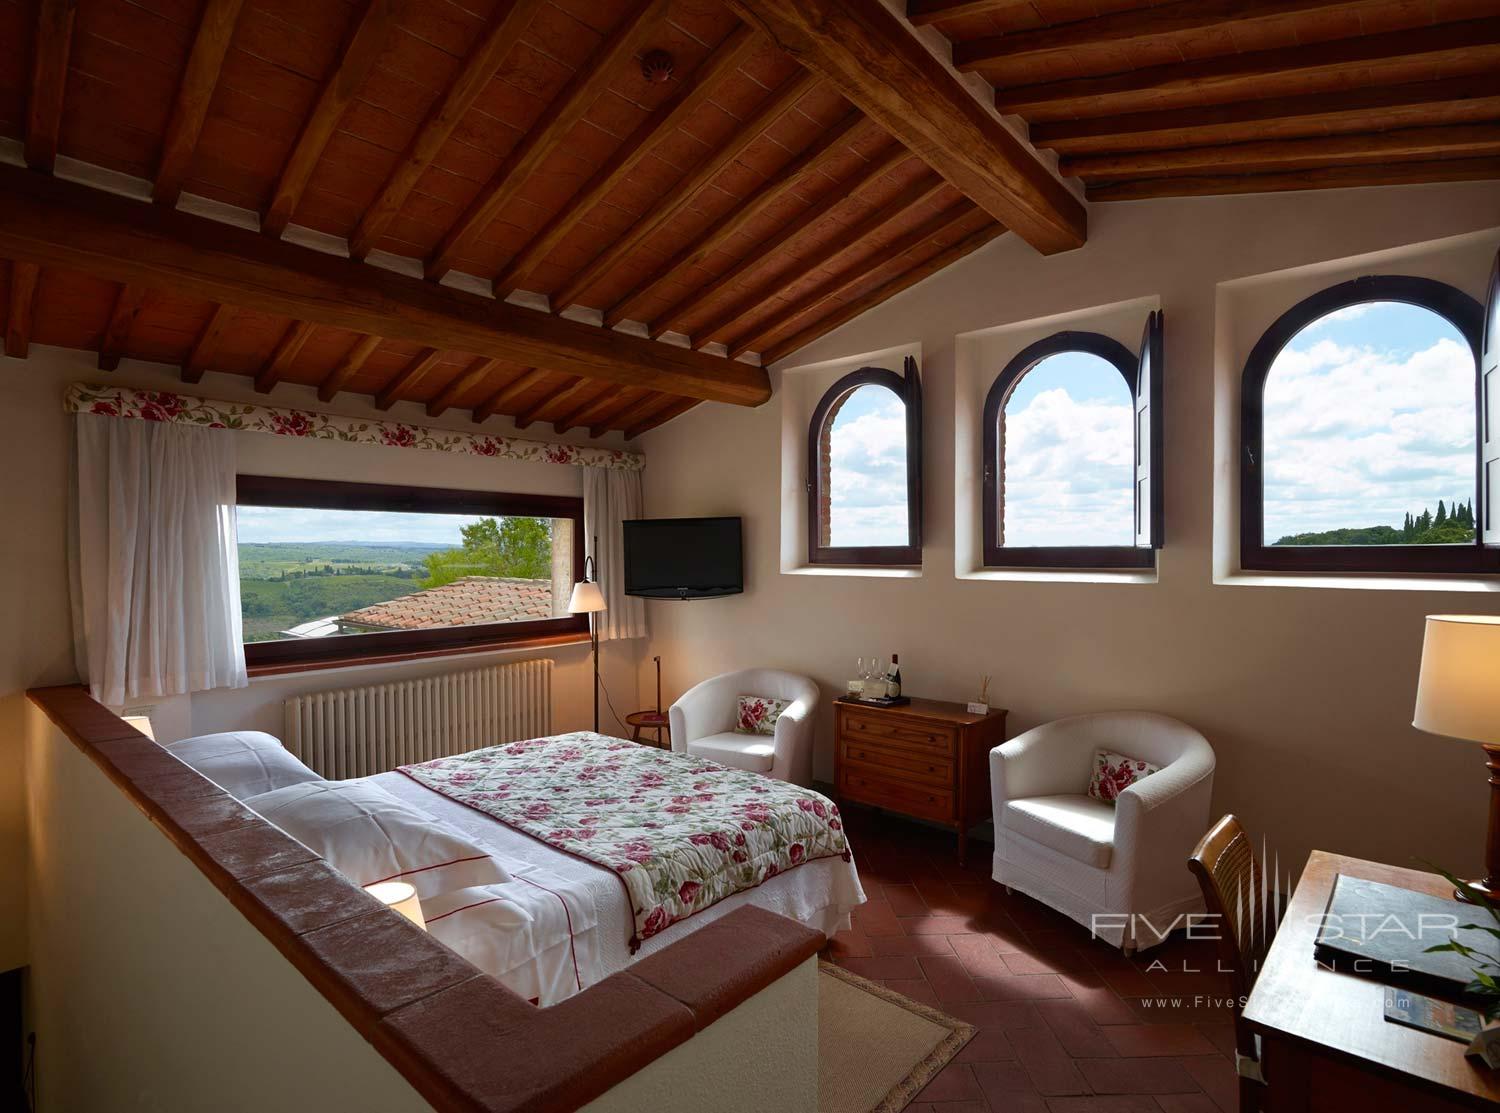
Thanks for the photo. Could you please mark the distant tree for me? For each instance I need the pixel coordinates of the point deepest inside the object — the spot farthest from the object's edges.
(1442, 515)
(520, 547)
(1424, 523)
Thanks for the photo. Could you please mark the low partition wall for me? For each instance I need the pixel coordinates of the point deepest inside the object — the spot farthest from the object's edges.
(148, 990)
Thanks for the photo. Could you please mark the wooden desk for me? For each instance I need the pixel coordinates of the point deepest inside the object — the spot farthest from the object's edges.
(926, 758)
(1325, 1042)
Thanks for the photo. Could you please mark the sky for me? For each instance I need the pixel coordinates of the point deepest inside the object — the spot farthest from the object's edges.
(867, 447)
(1369, 413)
(275, 523)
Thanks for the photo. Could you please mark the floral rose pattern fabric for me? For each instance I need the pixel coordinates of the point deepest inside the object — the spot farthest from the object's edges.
(681, 833)
(162, 405)
(1114, 773)
(758, 714)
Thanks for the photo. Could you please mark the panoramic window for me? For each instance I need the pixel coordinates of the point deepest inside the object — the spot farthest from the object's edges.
(337, 570)
(1068, 454)
(1360, 433)
(864, 467)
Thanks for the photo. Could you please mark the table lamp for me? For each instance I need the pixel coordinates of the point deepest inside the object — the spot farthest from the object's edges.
(1458, 694)
(588, 599)
(401, 897)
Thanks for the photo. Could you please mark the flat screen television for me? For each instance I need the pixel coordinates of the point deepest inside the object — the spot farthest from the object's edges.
(683, 558)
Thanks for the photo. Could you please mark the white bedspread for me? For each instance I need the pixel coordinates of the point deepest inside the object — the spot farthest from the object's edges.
(582, 920)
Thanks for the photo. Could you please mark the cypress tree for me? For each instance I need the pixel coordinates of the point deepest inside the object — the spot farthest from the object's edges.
(1442, 514)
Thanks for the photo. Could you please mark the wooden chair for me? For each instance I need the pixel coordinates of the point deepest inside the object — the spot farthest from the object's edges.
(1246, 912)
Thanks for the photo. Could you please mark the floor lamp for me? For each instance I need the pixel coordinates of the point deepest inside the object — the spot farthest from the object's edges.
(588, 599)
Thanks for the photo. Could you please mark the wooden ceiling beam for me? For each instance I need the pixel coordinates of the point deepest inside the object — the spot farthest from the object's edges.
(766, 251)
(559, 118)
(292, 341)
(372, 28)
(631, 415)
(925, 12)
(409, 376)
(194, 95)
(511, 390)
(695, 254)
(504, 30)
(206, 344)
(347, 367)
(670, 204)
(462, 383)
(886, 290)
(867, 53)
(563, 394)
(588, 409)
(58, 223)
(1409, 144)
(693, 93)
(128, 305)
(848, 241)
(609, 417)
(675, 408)
(849, 277)
(49, 78)
(1234, 76)
(23, 283)
(1375, 107)
(1120, 29)
(1333, 177)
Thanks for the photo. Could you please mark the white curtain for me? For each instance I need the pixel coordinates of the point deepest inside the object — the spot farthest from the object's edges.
(611, 495)
(156, 585)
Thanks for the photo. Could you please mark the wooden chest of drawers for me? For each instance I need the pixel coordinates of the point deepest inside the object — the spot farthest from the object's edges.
(925, 759)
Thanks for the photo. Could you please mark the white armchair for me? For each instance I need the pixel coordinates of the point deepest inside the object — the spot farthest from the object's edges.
(1119, 869)
(703, 724)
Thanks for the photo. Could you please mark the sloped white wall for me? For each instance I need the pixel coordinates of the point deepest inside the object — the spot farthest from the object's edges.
(1306, 693)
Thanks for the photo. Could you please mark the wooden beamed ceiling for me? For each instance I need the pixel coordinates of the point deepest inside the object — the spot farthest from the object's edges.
(520, 143)
(789, 165)
(1191, 97)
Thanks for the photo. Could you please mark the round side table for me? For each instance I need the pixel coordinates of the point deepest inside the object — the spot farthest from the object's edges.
(650, 720)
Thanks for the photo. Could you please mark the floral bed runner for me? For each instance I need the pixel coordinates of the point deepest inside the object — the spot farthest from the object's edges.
(680, 832)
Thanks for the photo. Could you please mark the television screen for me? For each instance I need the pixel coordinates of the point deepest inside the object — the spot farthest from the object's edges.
(683, 558)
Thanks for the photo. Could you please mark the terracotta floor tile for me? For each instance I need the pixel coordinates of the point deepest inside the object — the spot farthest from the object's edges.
(905, 900)
(1137, 1076)
(1105, 1103)
(917, 989)
(1215, 1076)
(989, 1045)
(1158, 1039)
(955, 1082)
(948, 978)
(849, 944)
(1020, 987)
(937, 925)
(1075, 1029)
(1186, 1103)
(1053, 1071)
(912, 944)
(876, 918)
(882, 967)
(1004, 1084)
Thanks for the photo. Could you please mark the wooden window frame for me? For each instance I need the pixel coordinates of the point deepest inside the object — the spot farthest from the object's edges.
(908, 388)
(1461, 311)
(998, 555)
(343, 649)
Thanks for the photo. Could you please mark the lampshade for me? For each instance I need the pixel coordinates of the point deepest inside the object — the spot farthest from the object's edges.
(141, 723)
(1458, 690)
(586, 598)
(400, 896)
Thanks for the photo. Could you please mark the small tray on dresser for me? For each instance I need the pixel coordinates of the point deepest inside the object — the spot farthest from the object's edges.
(876, 701)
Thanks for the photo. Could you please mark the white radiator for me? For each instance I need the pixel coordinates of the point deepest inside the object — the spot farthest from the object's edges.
(356, 732)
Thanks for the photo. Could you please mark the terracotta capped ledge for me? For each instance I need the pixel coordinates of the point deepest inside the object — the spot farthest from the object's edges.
(462, 1039)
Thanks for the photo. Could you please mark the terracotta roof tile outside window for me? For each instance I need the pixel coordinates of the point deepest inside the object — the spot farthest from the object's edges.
(465, 602)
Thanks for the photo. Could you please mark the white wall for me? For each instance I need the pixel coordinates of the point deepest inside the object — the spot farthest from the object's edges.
(35, 454)
(148, 990)
(1305, 693)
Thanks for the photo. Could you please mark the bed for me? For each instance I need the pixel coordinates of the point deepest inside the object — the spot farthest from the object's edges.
(610, 850)
(585, 923)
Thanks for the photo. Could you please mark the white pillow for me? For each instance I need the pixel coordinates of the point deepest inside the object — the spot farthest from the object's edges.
(242, 762)
(369, 835)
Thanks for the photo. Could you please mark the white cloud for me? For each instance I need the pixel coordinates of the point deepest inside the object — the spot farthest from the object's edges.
(867, 448)
(1068, 471)
(1357, 437)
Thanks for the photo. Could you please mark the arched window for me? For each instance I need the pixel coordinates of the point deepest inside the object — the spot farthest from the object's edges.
(1072, 454)
(864, 470)
(1362, 444)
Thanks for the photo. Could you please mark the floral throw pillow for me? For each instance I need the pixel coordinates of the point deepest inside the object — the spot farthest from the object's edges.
(758, 714)
(1114, 773)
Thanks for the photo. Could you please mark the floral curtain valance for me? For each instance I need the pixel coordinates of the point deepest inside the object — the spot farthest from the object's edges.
(162, 405)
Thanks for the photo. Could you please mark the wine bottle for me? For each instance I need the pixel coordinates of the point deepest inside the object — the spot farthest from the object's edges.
(893, 678)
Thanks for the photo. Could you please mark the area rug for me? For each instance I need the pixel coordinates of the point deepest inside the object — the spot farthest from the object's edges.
(877, 1048)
